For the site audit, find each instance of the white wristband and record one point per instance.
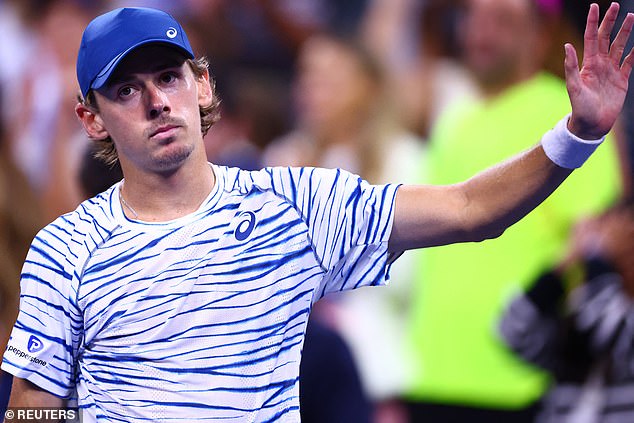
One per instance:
(566, 149)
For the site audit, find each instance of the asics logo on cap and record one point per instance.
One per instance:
(171, 32)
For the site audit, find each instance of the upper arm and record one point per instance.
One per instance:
(48, 330)
(428, 215)
(27, 394)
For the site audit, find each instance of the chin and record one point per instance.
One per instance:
(173, 159)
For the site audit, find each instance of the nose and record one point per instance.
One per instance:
(157, 102)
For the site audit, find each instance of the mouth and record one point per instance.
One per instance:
(163, 132)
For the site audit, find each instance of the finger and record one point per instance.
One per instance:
(626, 66)
(571, 67)
(590, 43)
(605, 29)
(618, 45)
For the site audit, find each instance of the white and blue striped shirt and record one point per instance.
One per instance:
(201, 318)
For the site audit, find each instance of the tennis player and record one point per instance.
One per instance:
(182, 293)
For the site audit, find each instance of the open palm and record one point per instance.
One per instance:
(598, 90)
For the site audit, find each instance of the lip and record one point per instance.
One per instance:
(164, 132)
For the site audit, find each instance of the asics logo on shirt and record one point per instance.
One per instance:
(34, 344)
(245, 227)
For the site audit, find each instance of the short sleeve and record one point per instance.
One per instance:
(349, 223)
(45, 337)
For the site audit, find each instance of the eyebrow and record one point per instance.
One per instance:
(118, 78)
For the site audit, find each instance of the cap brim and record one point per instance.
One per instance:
(107, 70)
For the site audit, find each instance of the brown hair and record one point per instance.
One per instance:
(106, 150)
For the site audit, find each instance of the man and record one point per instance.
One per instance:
(463, 372)
(183, 292)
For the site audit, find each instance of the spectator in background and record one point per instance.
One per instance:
(344, 116)
(463, 372)
(19, 222)
(417, 44)
(44, 141)
(345, 119)
(582, 332)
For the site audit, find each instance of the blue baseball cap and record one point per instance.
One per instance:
(111, 36)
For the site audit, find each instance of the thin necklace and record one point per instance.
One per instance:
(125, 203)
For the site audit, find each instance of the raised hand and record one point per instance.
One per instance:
(597, 91)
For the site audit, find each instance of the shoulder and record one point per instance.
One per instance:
(90, 222)
(93, 212)
(283, 181)
(311, 191)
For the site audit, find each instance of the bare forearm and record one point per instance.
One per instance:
(502, 195)
(479, 208)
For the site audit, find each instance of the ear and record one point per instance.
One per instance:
(92, 122)
(205, 92)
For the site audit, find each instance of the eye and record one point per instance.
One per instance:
(125, 91)
(168, 77)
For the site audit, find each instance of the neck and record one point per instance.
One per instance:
(159, 198)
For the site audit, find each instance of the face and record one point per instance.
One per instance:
(497, 36)
(150, 108)
(331, 85)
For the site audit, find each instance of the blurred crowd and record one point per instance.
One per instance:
(411, 91)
